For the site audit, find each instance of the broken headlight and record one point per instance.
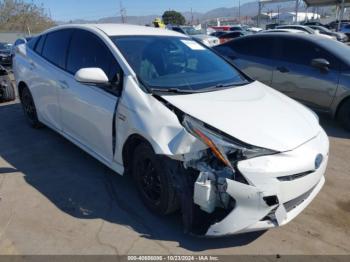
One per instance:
(227, 150)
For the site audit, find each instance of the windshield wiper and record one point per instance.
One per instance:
(174, 90)
(230, 84)
(202, 90)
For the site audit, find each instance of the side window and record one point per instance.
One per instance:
(302, 52)
(87, 50)
(253, 46)
(55, 47)
(40, 44)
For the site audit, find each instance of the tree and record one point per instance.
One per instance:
(173, 17)
(21, 16)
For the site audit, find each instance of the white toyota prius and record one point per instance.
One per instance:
(195, 133)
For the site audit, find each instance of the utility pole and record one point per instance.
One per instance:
(122, 12)
(239, 11)
(191, 16)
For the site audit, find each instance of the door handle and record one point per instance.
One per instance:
(282, 69)
(63, 84)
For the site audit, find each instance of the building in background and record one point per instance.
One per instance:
(292, 17)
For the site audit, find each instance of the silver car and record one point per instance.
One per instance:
(199, 35)
(311, 69)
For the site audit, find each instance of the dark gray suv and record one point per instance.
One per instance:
(311, 69)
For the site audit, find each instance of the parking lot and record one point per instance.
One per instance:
(56, 199)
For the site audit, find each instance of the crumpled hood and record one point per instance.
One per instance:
(254, 113)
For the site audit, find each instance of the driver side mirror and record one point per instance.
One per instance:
(91, 75)
(320, 63)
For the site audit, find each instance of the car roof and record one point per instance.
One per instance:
(121, 29)
(301, 26)
(341, 50)
(308, 37)
(282, 30)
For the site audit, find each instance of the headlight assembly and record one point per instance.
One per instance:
(224, 148)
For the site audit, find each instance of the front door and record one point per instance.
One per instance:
(294, 75)
(87, 111)
(254, 56)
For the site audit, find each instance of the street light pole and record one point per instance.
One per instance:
(239, 11)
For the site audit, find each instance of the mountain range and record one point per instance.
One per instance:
(246, 10)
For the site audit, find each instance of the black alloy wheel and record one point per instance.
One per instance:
(29, 108)
(153, 180)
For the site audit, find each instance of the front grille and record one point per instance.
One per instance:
(294, 177)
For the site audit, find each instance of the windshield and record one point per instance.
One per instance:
(165, 63)
(192, 31)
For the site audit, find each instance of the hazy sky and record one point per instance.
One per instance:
(94, 9)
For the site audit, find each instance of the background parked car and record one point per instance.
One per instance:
(196, 34)
(325, 31)
(271, 26)
(5, 54)
(228, 36)
(304, 28)
(345, 28)
(219, 33)
(237, 28)
(7, 91)
(294, 31)
(311, 69)
(312, 23)
(334, 24)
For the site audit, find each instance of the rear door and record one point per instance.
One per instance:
(253, 55)
(47, 67)
(87, 111)
(295, 76)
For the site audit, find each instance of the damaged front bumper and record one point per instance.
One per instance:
(278, 188)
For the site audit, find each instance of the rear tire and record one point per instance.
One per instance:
(153, 180)
(344, 115)
(29, 108)
(8, 93)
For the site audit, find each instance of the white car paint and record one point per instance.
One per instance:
(254, 114)
(235, 105)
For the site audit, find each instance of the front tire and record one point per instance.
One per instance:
(344, 115)
(153, 180)
(29, 108)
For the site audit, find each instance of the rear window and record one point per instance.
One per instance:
(253, 46)
(55, 47)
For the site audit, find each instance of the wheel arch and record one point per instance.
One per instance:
(342, 102)
(129, 148)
